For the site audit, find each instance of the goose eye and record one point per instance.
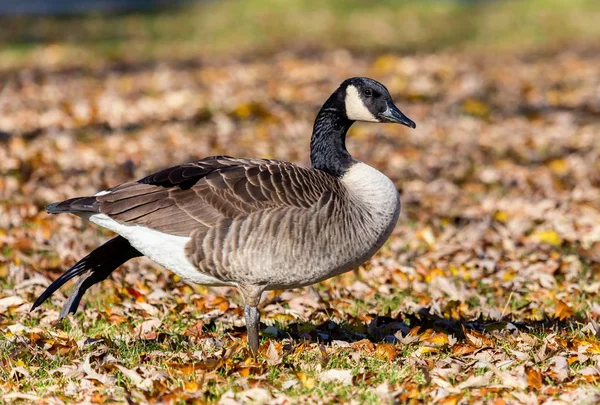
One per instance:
(368, 92)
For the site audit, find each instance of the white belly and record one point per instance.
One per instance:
(166, 250)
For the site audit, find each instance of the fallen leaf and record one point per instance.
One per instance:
(559, 368)
(385, 351)
(476, 381)
(550, 237)
(273, 356)
(8, 302)
(306, 380)
(534, 378)
(563, 311)
(437, 340)
(475, 107)
(132, 375)
(90, 373)
(147, 326)
(337, 375)
(477, 339)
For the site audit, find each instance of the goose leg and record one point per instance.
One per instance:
(252, 316)
(251, 295)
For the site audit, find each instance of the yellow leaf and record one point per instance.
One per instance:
(563, 311)
(243, 110)
(433, 274)
(426, 335)
(534, 378)
(476, 108)
(385, 351)
(283, 318)
(593, 347)
(558, 166)
(437, 340)
(384, 64)
(424, 350)
(191, 386)
(550, 237)
(244, 371)
(449, 400)
(534, 314)
(501, 216)
(306, 380)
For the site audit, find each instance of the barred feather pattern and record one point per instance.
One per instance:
(262, 222)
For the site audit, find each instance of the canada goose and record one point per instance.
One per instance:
(255, 224)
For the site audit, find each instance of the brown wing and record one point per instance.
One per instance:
(197, 195)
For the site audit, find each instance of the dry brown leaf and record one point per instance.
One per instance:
(385, 351)
(9, 302)
(147, 326)
(364, 345)
(476, 381)
(449, 400)
(563, 311)
(273, 355)
(221, 303)
(559, 368)
(461, 349)
(411, 337)
(132, 375)
(476, 339)
(107, 380)
(336, 375)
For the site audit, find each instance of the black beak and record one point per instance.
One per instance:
(394, 115)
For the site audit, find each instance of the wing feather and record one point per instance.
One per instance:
(197, 196)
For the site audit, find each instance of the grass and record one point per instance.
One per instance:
(254, 27)
(44, 376)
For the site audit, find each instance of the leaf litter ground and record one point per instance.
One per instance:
(487, 291)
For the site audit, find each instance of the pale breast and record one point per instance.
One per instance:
(373, 191)
(373, 198)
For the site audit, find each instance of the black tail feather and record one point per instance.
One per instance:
(78, 204)
(99, 264)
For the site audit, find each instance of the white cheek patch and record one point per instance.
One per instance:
(355, 108)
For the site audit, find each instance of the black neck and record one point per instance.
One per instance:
(328, 143)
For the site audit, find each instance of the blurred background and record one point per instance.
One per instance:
(88, 31)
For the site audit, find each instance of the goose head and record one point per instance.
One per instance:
(368, 100)
(356, 99)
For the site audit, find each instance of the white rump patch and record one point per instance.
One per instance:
(162, 248)
(355, 108)
(103, 192)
